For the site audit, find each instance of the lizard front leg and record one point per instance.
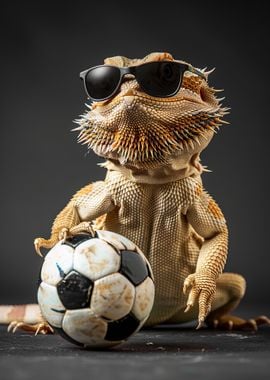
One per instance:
(87, 204)
(64, 221)
(208, 221)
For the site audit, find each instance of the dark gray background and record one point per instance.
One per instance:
(44, 47)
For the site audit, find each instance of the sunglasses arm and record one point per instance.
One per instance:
(83, 73)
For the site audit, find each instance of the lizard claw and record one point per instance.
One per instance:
(47, 244)
(43, 328)
(63, 234)
(188, 307)
(262, 320)
(82, 228)
(12, 327)
(201, 289)
(200, 324)
(231, 322)
(188, 283)
(37, 244)
(38, 328)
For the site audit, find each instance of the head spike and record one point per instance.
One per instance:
(79, 128)
(221, 99)
(223, 122)
(207, 73)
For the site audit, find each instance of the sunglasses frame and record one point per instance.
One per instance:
(132, 70)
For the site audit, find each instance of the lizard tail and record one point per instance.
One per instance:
(21, 313)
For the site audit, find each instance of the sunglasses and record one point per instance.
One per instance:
(160, 79)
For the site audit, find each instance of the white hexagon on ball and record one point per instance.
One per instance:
(96, 258)
(82, 326)
(144, 299)
(50, 304)
(112, 297)
(57, 262)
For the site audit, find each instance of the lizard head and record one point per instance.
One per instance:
(136, 130)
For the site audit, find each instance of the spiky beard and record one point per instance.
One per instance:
(147, 133)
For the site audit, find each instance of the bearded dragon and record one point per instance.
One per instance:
(153, 194)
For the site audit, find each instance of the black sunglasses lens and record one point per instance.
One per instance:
(102, 81)
(159, 79)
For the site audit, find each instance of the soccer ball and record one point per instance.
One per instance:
(96, 291)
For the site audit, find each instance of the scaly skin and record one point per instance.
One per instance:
(153, 194)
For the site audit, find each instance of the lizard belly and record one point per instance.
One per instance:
(153, 220)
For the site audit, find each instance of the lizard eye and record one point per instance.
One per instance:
(166, 72)
(160, 79)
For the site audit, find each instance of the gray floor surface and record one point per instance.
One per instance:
(160, 353)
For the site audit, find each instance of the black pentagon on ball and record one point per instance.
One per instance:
(122, 328)
(133, 267)
(39, 280)
(150, 273)
(74, 290)
(76, 240)
(64, 335)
